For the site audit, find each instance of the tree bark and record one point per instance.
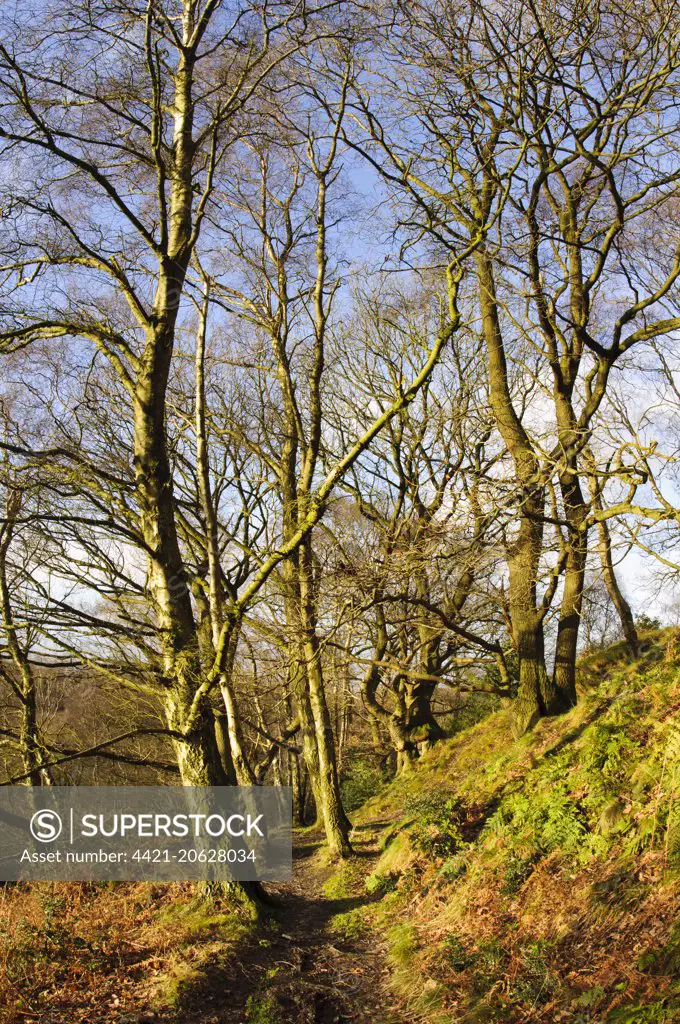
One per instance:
(23, 686)
(604, 548)
(576, 512)
(534, 693)
(336, 823)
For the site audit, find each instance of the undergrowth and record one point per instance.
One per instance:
(538, 880)
(139, 950)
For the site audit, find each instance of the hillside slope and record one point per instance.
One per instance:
(531, 881)
(538, 880)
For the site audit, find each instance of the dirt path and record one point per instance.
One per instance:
(303, 972)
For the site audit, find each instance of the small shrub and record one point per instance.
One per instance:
(453, 868)
(591, 997)
(608, 753)
(542, 821)
(381, 883)
(651, 1013)
(621, 889)
(473, 708)
(490, 961)
(666, 959)
(646, 623)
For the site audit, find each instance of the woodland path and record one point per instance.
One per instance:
(303, 973)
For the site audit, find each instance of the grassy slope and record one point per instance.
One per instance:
(539, 880)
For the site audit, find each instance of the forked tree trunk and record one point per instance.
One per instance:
(307, 685)
(216, 597)
(198, 755)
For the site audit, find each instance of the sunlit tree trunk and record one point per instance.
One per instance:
(22, 682)
(335, 820)
(534, 692)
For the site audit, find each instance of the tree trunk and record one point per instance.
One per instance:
(534, 691)
(576, 512)
(604, 548)
(224, 748)
(31, 748)
(23, 687)
(421, 725)
(337, 825)
(534, 696)
(244, 773)
(296, 784)
(198, 756)
(405, 749)
(423, 729)
(299, 688)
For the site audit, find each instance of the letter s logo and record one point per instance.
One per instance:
(46, 826)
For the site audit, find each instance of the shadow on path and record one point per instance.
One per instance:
(297, 970)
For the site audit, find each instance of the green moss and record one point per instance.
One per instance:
(398, 855)
(350, 925)
(179, 983)
(336, 887)
(262, 1010)
(344, 881)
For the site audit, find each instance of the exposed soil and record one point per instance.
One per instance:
(303, 973)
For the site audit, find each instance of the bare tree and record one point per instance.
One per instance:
(532, 133)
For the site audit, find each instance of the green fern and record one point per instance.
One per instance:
(547, 820)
